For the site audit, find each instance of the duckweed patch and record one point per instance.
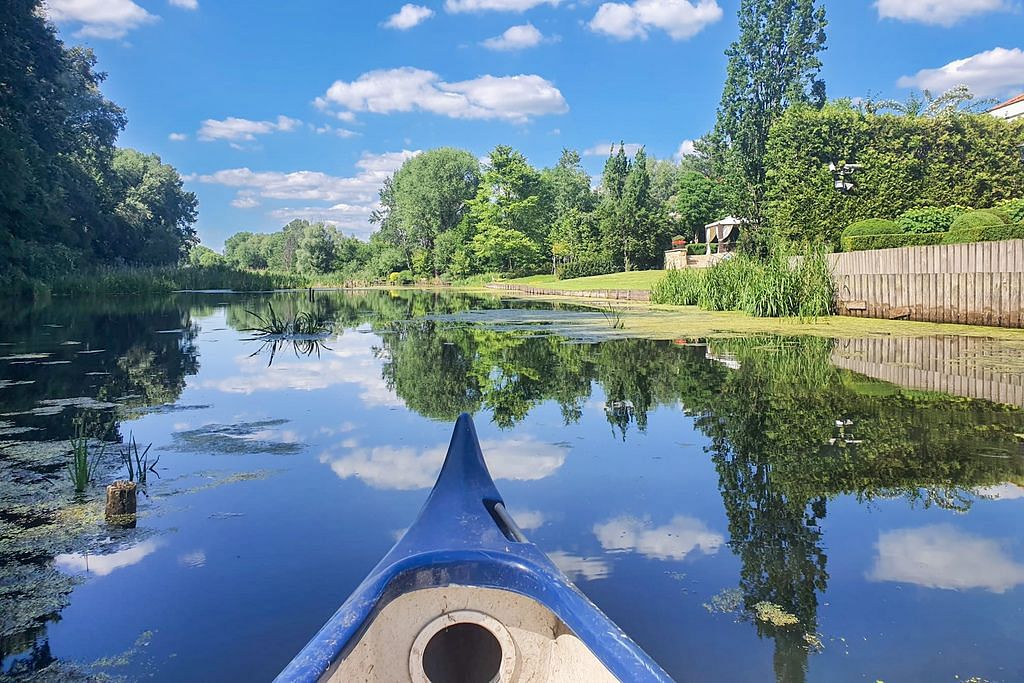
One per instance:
(770, 613)
(727, 601)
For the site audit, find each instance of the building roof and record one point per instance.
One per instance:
(1007, 103)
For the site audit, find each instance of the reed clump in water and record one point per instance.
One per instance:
(81, 467)
(773, 288)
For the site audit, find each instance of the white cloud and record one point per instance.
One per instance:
(936, 12)
(185, 4)
(680, 19)
(686, 148)
(456, 6)
(351, 216)
(1007, 491)
(577, 567)
(236, 129)
(994, 72)
(101, 565)
(353, 198)
(107, 19)
(527, 520)
(331, 130)
(349, 359)
(940, 556)
(406, 468)
(602, 149)
(245, 200)
(177, 137)
(512, 98)
(410, 15)
(673, 541)
(515, 38)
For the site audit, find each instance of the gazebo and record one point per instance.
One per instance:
(723, 231)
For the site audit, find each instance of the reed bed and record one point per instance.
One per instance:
(774, 288)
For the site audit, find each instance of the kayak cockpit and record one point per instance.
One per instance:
(469, 634)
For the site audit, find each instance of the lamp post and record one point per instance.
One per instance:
(843, 176)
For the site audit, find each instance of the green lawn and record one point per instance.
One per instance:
(637, 279)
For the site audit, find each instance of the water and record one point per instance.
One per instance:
(686, 487)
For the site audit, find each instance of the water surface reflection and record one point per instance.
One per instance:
(715, 496)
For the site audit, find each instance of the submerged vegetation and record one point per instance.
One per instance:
(775, 288)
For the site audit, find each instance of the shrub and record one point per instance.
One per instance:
(980, 219)
(863, 242)
(989, 233)
(1014, 208)
(701, 248)
(584, 268)
(872, 226)
(930, 219)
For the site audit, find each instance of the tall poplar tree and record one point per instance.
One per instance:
(773, 64)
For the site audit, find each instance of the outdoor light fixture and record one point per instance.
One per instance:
(843, 176)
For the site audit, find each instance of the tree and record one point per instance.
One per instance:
(426, 197)
(246, 250)
(632, 226)
(698, 201)
(203, 256)
(156, 213)
(773, 64)
(664, 180)
(316, 252)
(504, 249)
(569, 184)
(507, 213)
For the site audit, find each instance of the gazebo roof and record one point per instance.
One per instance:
(727, 222)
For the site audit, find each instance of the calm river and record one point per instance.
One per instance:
(743, 507)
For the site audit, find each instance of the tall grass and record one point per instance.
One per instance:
(773, 288)
(80, 466)
(169, 279)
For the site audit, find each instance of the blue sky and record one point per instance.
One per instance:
(275, 110)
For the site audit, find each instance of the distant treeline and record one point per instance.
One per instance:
(69, 198)
(443, 214)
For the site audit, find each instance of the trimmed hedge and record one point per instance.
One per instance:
(863, 242)
(982, 218)
(991, 233)
(872, 226)
(930, 218)
(699, 248)
(584, 268)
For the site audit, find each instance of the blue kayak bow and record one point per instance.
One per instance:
(463, 536)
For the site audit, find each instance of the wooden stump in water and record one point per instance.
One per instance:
(121, 502)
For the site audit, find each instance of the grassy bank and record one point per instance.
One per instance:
(636, 279)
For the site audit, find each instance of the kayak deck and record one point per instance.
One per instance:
(464, 597)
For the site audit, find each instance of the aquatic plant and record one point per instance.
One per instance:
(304, 323)
(304, 333)
(613, 316)
(773, 614)
(80, 466)
(775, 288)
(138, 464)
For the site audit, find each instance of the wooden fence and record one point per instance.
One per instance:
(617, 294)
(981, 283)
(963, 366)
